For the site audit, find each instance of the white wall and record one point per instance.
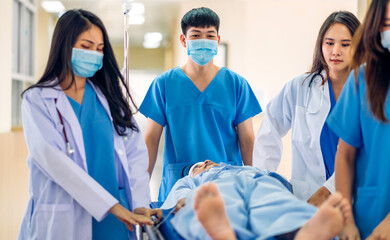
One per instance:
(5, 65)
(281, 38)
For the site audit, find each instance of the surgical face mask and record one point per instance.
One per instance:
(385, 39)
(202, 50)
(86, 63)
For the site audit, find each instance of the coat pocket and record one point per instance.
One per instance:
(54, 221)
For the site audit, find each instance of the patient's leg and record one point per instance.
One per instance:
(328, 221)
(210, 211)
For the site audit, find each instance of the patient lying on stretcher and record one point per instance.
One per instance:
(259, 205)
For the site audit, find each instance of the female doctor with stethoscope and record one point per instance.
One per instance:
(88, 161)
(303, 105)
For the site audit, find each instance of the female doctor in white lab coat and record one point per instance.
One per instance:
(88, 161)
(303, 106)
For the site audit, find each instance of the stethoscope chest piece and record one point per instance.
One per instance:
(69, 148)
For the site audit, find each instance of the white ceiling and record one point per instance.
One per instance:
(160, 15)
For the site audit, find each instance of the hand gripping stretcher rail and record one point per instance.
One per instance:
(160, 230)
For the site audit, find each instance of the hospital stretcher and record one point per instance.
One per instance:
(165, 231)
(162, 230)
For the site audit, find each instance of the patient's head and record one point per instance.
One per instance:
(201, 167)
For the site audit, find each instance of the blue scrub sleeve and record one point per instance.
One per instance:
(345, 117)
(247, 105)
(153, 105)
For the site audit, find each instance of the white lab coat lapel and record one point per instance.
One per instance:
(118, 143)
(68, 115)
(316, 120)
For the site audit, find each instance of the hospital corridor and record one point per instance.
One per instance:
(163, 117)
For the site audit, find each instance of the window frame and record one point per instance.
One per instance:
(23, 70)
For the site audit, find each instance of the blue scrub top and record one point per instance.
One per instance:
(353, 121)
(328, 139)
(100, 155)
(198, 125)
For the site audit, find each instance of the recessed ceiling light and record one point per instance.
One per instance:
(153, 36)
(151, 44)
(53, 6)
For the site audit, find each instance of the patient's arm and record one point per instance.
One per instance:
(319, 197)
(180, 190)
(180, 204)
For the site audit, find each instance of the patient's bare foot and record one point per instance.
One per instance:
(210, 211)
(328, 221)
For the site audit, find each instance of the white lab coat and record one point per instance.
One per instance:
(63, 197)
(305, 115)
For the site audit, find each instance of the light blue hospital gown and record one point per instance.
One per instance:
(353, 121)
(198, 125)
(259, 204)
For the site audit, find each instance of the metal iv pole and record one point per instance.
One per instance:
(126, 12)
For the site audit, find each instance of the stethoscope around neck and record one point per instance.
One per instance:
(69, 148)
(306, 104)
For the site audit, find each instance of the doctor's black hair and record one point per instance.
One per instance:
(108, 79)
(199, 17)
(319, 64)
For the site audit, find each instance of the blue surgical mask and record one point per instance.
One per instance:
(385, 39)
(86, 63)
(202, 50)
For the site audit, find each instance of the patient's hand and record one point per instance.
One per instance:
(319, 197)
(382, 231)
(180, 204)
(148, 212)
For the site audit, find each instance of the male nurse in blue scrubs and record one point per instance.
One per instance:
(206, 110)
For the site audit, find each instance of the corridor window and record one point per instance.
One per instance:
(23, 27)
